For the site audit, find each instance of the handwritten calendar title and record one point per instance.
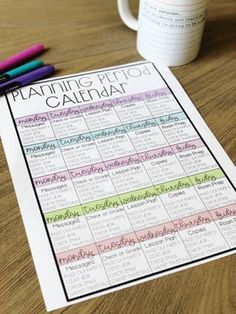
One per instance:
(83, 88)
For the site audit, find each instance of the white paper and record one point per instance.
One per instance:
(118, 179)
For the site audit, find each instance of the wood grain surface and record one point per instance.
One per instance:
(84, 35)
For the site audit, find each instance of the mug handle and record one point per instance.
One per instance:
(126, 15)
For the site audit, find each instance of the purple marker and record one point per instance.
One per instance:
(25, 79)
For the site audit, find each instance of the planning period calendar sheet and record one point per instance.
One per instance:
(118, 179)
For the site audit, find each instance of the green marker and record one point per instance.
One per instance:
(27, 67)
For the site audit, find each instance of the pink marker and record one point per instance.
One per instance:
(21, 57)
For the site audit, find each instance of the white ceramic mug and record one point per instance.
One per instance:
(168, 31)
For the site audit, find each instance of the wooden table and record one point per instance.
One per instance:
(84, 35)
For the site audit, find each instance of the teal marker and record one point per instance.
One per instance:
(27, 67)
